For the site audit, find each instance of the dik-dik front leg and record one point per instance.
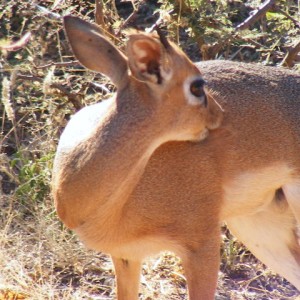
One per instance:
(201, 265)
(128, 278)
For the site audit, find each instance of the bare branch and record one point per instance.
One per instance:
(73, 98)
(45, 11)
(293, 52)
(131, 17)
(257, 14)
(296, 23)
(14, 46)
(61, 64)
(99, 15)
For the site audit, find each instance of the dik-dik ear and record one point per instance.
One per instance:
(94, 51)
(148, 59)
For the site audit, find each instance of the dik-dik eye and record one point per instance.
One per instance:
(194, 91)
(197, 87)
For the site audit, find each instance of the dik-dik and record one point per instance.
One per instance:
(158, 168)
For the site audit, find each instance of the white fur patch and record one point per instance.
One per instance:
(252, 191)
(82, 125)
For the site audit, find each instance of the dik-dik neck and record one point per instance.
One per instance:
(101, 172)
(124, 143)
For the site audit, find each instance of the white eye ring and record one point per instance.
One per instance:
(192, 99)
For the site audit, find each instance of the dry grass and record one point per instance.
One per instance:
(39, 258)
(42, 260)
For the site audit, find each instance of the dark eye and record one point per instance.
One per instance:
(196, 87)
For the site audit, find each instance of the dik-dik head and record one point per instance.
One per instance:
(155, 75)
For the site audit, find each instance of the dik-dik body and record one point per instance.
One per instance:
(132, 178)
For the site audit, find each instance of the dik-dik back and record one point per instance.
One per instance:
(255, 89)
(262, 107)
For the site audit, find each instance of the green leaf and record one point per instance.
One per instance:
(274, 16)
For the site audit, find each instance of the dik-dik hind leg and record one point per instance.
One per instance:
(128, 278)
(271, 235)
(201, 266)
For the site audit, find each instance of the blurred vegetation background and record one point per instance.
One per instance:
(42, 85)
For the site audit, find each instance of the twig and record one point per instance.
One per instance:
(30, 77)
(257, 14)
(181, 3)
(99, 15)
(45, 11)
(5, 137)
(73, 98)
(15, 46)
(290, 57)
(61, 64)
(130, 18)
(296, 23)
(8, 107)
(164, 17)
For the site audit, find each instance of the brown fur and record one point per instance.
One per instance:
(123, 199)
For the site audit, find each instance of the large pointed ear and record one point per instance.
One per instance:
(94, 51)
(148, 59)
